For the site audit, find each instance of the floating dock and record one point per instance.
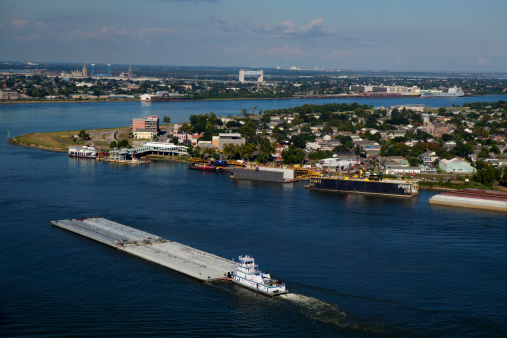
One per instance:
(473, 198)
(266, 174)
(182, 258)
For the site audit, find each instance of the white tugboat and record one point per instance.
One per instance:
(247, 275)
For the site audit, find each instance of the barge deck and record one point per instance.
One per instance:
(176, 256)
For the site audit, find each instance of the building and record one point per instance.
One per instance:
(223, 138)
(428, 157)
(436, 129)
(456, 165)
(8, 94)
(144, 134)
(148, 122)
(258, 73)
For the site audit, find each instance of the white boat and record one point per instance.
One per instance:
(249, 276)
(453, 91)
(84, 151)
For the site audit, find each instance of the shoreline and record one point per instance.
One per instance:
(309, 97)
(163, 159)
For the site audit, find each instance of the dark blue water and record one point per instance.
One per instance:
(358, 266)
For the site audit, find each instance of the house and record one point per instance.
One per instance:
(457, 165)
(428, 157)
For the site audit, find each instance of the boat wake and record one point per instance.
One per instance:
(317, 309)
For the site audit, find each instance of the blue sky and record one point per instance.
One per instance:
(445, 35)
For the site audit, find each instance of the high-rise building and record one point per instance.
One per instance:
(148, 122)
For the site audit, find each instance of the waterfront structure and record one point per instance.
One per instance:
(149, 122)
(267, 174)
(159, 148)
(451, 92)
(456, 165)
(402, 90)
(258, 73)
(224, 138)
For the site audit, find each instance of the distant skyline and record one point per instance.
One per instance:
(452, 35)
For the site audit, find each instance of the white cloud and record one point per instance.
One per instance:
(480, 61)
(287, 29)
(285, 51)
(228, 27)
(19, 24)
(367, 43)
(341, 54)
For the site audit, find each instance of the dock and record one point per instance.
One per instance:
(176, 256)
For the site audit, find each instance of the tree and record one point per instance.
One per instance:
(266, 149)
(185, 127)
(414, 162)
(83, 135)
(123, 144)
(166, 119)
(209, 152)
(462, 149)
(503, 180)
(113, 145)
(293, 155)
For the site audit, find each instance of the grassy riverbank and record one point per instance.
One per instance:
(61, 140)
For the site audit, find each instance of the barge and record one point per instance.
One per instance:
(472, 198)
(195, 263)
(192, 262)
(383, 187)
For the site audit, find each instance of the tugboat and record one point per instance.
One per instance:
(247, 275)
(205, 167)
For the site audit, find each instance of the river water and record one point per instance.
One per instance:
(357, 266)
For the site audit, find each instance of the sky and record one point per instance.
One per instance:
(430, 35)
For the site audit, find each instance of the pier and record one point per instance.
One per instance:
(176, 256)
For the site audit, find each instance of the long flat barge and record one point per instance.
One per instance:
(176, 256)
(384, 187)
(473, 198)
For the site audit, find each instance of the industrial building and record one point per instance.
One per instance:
(224, 138)
(255, 73)
(457, 165)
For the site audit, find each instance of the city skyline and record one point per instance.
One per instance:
(391, 35)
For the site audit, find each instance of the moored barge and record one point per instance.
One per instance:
(383, 187)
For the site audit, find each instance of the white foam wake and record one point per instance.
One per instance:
(317, 309)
